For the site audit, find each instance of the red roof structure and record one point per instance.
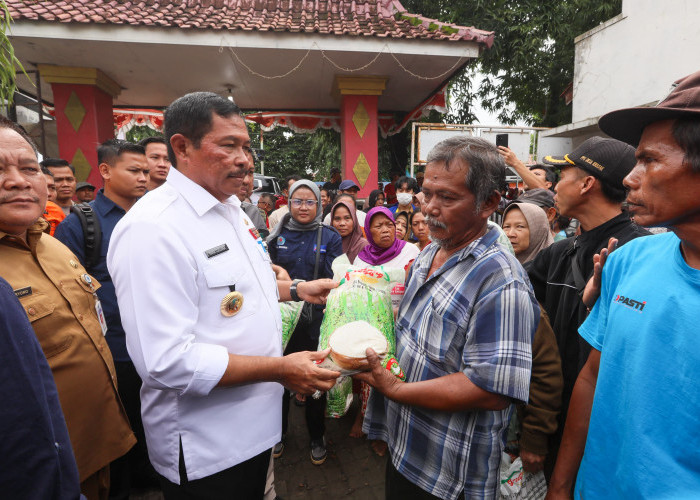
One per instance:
(368, 18)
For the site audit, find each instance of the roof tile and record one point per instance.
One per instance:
(366, 18)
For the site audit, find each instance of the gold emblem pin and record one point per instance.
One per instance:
(73, 264)
(231, 303)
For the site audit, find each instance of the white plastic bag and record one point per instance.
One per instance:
(516, 484)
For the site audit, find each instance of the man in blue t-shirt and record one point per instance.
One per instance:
(125, 171)
(632, 420)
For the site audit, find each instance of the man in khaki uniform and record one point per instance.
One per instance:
(60, 301)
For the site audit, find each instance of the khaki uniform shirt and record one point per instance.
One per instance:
(49, 282)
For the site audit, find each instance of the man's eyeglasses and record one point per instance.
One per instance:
(296, 203)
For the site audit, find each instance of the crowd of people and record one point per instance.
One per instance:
(140, 332)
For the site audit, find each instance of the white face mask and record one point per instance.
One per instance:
(404, 198)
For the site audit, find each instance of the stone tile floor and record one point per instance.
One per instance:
(352, 470)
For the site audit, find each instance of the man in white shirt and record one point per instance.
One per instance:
(200, 313)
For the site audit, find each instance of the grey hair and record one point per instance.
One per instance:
(486, 170)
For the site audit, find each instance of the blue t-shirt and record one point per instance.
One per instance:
(642, 436)
(70, 233)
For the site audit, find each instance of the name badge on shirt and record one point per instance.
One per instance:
(217, 250)
(23, 292)
(100, 315)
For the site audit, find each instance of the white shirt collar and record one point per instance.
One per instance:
(199, 198)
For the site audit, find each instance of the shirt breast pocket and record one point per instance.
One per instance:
(38, 306)
(223, 277)
(441, 339)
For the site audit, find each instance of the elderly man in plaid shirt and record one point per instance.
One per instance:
(463, 338)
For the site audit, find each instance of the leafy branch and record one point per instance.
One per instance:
(8, 61)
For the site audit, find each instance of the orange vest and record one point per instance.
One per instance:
(53, 215)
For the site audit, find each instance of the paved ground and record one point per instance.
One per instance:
(351, 471)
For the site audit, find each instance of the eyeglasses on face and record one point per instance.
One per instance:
(296, 203)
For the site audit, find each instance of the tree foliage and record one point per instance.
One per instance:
(8, 61)
(532, 60)
(314, 155)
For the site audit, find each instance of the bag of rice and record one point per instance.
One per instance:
(290, 312)
(360, 313)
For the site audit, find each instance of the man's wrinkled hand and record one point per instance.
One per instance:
(592, 290)
(300, 373)
(316, 292)
(379, 377)
(532, 462)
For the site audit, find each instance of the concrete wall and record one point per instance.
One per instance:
(632, 59)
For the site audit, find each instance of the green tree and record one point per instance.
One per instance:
(8, 61)
(531, 62)
(314, 155)
(136, 134)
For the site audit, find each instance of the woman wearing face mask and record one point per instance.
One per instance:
(292, 245)
(419, 229)
(527, 228)
(344, 220)
(406, 188)
(401, 221)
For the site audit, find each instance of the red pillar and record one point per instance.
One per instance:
(84, 119)
(359, 131)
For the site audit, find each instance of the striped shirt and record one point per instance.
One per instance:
(476, 315)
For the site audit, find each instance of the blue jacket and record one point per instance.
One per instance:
(70, 233)
(36, 458)
(295, 251)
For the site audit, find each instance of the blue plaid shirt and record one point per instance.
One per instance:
(476, 315)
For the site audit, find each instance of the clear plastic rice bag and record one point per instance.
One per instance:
(364, 294)
(290, 312)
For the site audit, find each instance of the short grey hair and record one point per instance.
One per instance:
(486, 169)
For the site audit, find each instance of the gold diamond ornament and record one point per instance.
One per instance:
(360, 118)
(361, 169)
(82, 166)
(74, 111)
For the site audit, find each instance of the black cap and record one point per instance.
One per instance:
(543, 198)
(609, 160)
(84, 185)
(682, 102)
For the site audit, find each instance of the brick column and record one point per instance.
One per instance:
(83, 109)
(359, 139)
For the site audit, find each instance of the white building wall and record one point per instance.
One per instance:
(632, 59)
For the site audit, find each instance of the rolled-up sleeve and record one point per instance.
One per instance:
(158, 304)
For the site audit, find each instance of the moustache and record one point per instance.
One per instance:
(434, 222)
(11, 197)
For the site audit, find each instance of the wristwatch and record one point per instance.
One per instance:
(293, 290)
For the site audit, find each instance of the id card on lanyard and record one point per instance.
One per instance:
(98, 305)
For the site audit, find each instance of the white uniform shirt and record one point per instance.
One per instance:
(169, 293)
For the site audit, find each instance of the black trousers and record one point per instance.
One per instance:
(398, 487)
(245, 481)
(132, 470)
(305, 338)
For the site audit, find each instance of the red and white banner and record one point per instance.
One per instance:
(126, 119)
(304, 122)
